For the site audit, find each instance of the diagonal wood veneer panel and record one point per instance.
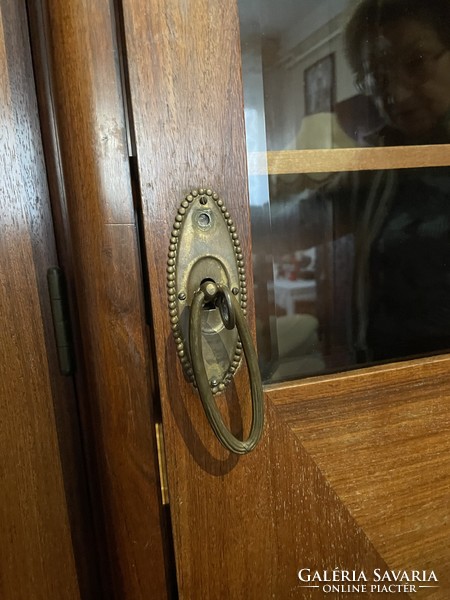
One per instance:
(385, 449)
(279, 495)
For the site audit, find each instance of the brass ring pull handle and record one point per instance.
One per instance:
(210, 292)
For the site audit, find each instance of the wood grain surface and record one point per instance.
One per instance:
(336, 160)
(243, 527)
(389, 430)
(87, 153)
(36, 406)
(352, 470)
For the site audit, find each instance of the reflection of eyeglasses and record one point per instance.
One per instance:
(413, 70)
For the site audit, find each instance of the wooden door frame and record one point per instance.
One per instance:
(231, 513)
(82, 109)
(104, 265)
(46, 522)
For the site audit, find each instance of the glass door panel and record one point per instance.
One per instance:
(346, 107)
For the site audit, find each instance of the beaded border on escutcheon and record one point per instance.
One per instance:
(172, 293)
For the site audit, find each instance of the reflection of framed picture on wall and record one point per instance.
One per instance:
(319, 82)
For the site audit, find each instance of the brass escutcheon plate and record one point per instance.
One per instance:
(204, 245)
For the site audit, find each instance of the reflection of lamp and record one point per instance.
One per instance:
(322, 130)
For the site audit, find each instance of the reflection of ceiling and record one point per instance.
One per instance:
(290, 21)
(277, 17)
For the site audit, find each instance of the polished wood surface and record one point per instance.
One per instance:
(87, 153)
(389, 430)
(36, 404)
(335, 160)
(185, 83)
(311, 495)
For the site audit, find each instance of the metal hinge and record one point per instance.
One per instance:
(61, 320)
(162, 464)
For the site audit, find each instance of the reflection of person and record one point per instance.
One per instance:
(399, 51)
(399, 221)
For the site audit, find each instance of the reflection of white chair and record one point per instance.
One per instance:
(298, 347)
(288, 292)
(288, 344)
(297, 335)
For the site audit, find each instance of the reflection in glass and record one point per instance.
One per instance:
(350, 268)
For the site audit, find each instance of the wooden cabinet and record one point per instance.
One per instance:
(47, 546)
(141, 102)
